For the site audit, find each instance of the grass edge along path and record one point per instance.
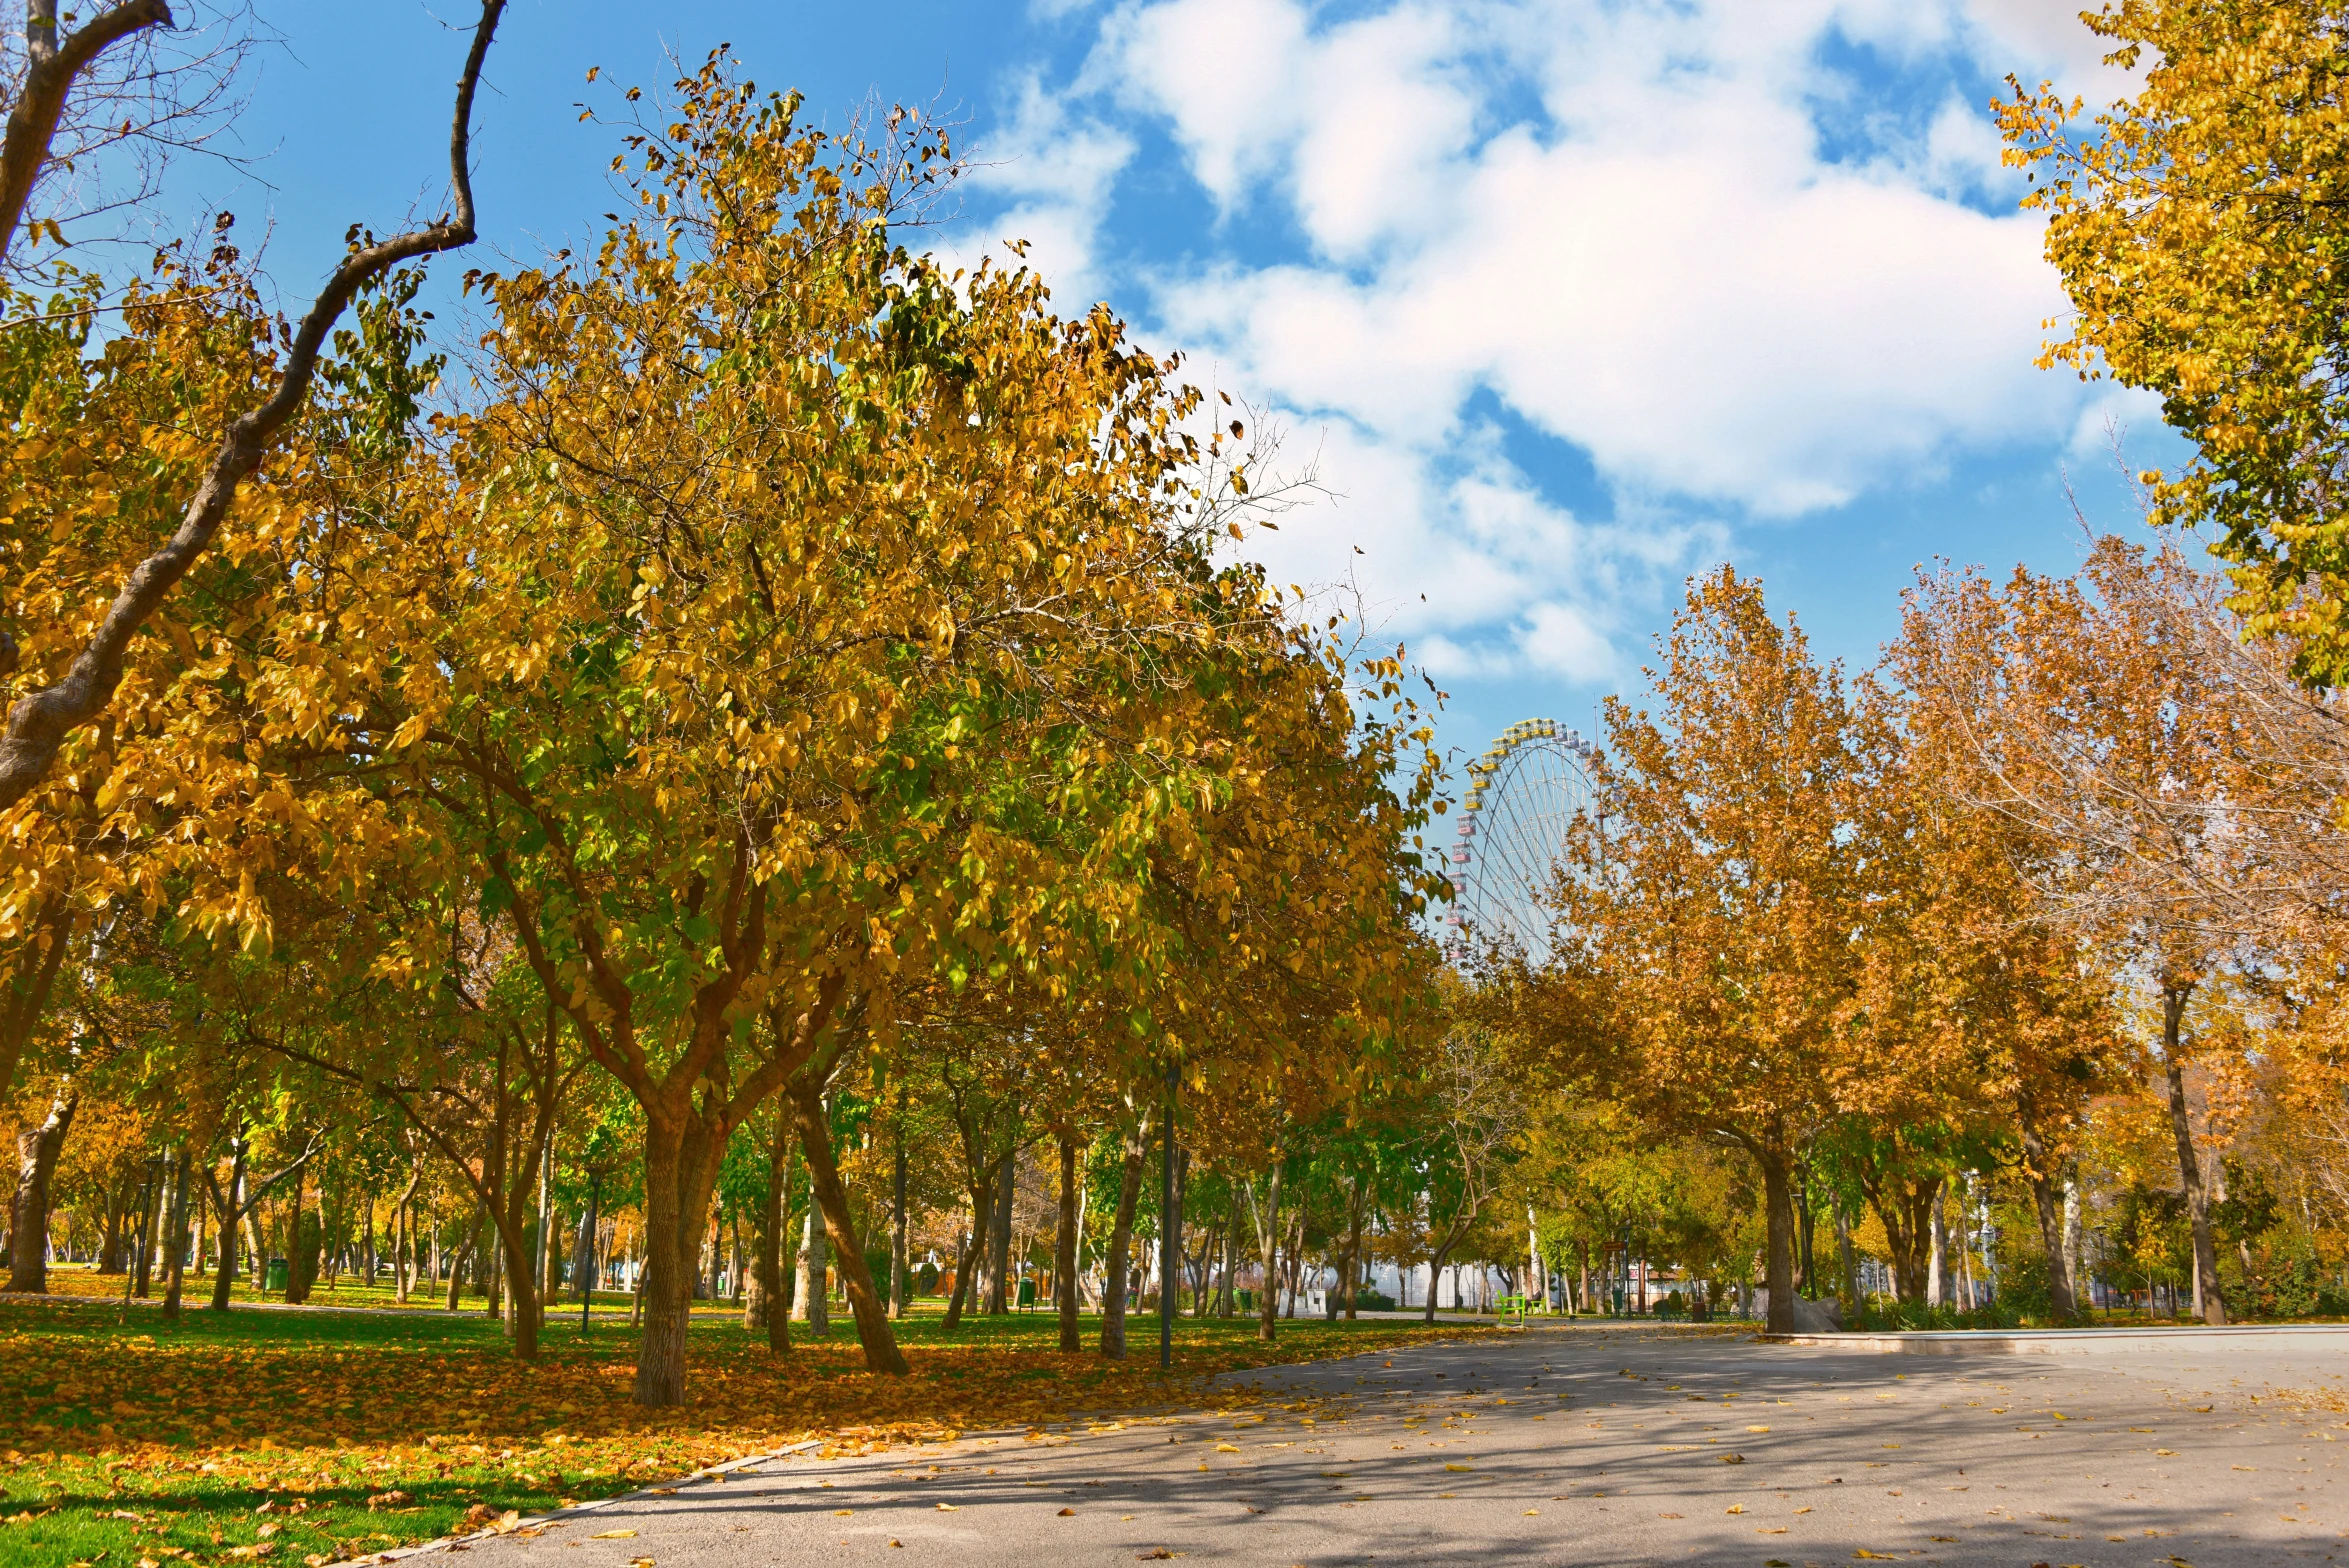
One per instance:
(300, 1437)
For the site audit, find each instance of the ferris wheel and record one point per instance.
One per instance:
(1523, 796)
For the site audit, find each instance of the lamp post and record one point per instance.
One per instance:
(595, 1187)
(1170, 1225)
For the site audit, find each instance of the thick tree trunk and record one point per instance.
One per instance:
(966, 1257)
(1778, 1208)
(969, 1288)
(2208, 1302)
(831, 1196)
(1353, 1281)
(900, 1265)
(1806, 1278)
(810, 1292)
(1937, 1292)
(297, 1288)
(999, 1237)
(1906, 1207)
(668, 1286)
(677, 1184)
(25, 996)
(457, 1274)
(1064, 1254)
(1268, 1235)
(37, 1148)
(226, 1212)
(2046, 1207)
(175, 1236)
(110, 1247)
(1850, 1262)
(1117, 1266)
(230, 1207)
(518, 1249)
(764, 1309)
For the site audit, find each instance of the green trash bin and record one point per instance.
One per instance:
(278, 1276)
(1027, 1295)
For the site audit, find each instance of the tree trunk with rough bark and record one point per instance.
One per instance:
(679, 1173)
(1353, 1280)
(1118, 1264)
(1778, 1208)
(2208, 1303)
(765, 1308)
(900, 1265)
(1268, 1235)
(297, 1289)
(1064, 1253)
(227, 1211)
(37, 1148)
(810, 1291)
(1905, 1205)
(175, 1237)
(24, 998)
(999, 1237)
(831, 1196)
(2047, 1208)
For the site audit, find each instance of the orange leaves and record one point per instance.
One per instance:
(1720, 921)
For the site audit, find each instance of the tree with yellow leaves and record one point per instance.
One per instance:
(64, 671)
(789, 616)
(2200, 227)
(1712, 903)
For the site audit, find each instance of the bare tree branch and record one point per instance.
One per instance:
(51, 69)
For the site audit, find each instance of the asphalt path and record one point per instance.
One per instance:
(1585, 1446)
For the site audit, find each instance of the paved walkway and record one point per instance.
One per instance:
(1588, 1445)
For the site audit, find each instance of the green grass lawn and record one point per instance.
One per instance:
(291, 1436)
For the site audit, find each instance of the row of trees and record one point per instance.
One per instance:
(762, 739)
(775, 698)
(2073, 840)
(2051, 899)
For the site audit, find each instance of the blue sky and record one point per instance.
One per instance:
(1560, 300)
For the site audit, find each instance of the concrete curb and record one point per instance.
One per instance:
(576, 1510)
(2079, 1341)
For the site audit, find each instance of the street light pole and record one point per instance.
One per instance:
(1170, 1225)
(595, 1190)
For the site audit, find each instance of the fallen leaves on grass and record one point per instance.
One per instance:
(393, 1430)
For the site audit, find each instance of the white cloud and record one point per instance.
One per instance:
(1053, 169)
(1618, 218)
(2102, 433)
(1466, 563)
(1222, 73)
(2037, 39)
